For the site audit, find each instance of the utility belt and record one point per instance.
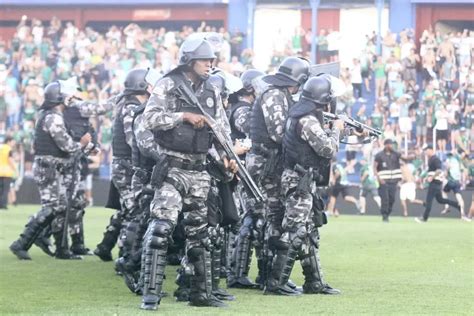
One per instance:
(265, 150)
(165, 163)
(273, 165)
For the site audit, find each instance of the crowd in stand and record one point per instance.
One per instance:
(416, 96)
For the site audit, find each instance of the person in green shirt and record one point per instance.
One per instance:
(369, 185)
(323, 47)
(376, 119)
(454, 171)
(421, 124)
(380, 77)
(339, 184)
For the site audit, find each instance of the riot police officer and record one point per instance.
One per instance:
(179, 178)
(241, 104)
(135, 94)
(239, 119)
(145, 153)
(307, 153)
(77, 116)
(53, 148)
(264, 160)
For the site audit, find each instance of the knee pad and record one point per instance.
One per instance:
(279, 243)
(159, 233)
(194, 254)
(45, 214)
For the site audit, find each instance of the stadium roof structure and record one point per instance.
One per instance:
(323, 3)
(105, 2)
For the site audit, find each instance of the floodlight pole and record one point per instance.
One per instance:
(314, 25)
(251, 4)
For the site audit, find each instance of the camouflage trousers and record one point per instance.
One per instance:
(52, 188)
(298, 206)
(122, 173)
(188, 194)
(73, 179)
(270, 185)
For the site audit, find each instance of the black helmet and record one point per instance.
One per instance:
(247, 78)
(195, 48)
(135, 82)
(52, 94)
(293, 71)
(318, 89)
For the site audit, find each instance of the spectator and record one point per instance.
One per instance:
(356, 78)
(7, 170)
(441, 127)
(421, 124)
(380, 77)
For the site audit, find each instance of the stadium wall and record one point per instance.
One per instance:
(28, 194)
(157, 16)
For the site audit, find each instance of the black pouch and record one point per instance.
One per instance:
(160, 172)
(319, 217)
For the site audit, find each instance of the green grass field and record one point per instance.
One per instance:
(398, 268)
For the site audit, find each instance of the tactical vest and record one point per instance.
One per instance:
(44, 144)
(77, 125)
(184, 138)
(389, 170)
(138, 159)
(296, 151)
(235, 133)
(120, 148)
(258, 127)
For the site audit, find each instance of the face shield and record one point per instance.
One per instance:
(69, 89)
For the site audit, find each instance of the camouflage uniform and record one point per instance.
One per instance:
(265, 165)
(182, 190)
(87, 110)
(122, 172)
(308, 150)
(144, 154)
(50, 177)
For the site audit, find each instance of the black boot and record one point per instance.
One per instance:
(104, 248)
(62, 248)
(218, 292)
(277, 283)
(33, 228)
(43, 241)
(241, 264)
(154, 262)
(201, 281)
(77, 245)
(183, 280)
(312, 271)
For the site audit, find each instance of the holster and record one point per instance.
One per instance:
(160, 171)
(319, 217)
(49, 169)
(272, 165)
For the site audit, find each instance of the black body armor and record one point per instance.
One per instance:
(185, 138)
(44, 144)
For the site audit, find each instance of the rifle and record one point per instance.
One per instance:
(349, 121)
(224, 140)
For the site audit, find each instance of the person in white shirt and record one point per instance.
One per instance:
(441, 127)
